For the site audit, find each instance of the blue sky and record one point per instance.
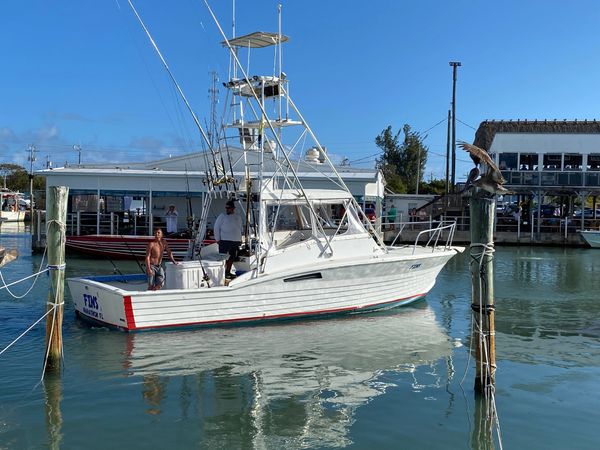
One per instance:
(82, 72)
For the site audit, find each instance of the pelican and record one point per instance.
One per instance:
(492, 180)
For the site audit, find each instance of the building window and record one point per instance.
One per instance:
(593, 162)
(507, 161)
(528, 161)
(573, 161)
(552, 161)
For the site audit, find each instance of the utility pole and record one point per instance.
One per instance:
(77, 148)
(454, 65)
(418, 170)
(31, 158)
(448, 155)
(48, 162)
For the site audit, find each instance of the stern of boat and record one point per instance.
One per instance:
(97, 301)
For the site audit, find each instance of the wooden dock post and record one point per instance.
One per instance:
(56, 218)
(483, 210)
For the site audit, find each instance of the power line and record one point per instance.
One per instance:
(431, 128)
(364, 158)
(466, 124)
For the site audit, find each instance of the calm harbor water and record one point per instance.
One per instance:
(385, 380)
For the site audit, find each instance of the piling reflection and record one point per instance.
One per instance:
(482, 436)
(53, 398)
(274, 386)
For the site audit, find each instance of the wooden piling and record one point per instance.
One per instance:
(483, 210)
(56, 218)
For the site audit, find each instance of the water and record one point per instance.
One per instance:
(386, 380)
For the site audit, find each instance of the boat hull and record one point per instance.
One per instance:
(121, 247)
(592, 238)
(318, 290)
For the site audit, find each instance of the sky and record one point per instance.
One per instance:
(83, 72)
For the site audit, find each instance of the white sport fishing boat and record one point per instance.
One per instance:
(308, 252)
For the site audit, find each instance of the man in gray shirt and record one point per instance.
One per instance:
(228, 234)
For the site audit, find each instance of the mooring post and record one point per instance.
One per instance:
(56, 217)
(483, 210)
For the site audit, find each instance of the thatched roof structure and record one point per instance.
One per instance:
(488, 128)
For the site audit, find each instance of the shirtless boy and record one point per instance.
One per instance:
(154, 255)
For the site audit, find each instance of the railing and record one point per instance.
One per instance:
(551, 178)
(435, 233)
(80, 223)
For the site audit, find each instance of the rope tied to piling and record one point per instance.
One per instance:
(28, 329)
(35, 276)
(56, 266)
(482, 254)
(62, 228)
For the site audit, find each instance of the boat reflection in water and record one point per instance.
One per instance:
(299, 383)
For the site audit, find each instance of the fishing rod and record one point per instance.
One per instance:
(132, 253)
(189, 107)
(179, 90)
(190, 217)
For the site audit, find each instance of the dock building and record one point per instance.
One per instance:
(553, 167)
(552, 170)
(132, 198)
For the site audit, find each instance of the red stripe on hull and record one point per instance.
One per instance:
(129, 313)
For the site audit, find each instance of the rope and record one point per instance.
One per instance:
(63, 227)
(481, 253)
(36, 275)
(54, 309)
(27, 330)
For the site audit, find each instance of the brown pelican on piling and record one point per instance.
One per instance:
(492, 180)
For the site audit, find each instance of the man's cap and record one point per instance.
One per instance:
(230, 204)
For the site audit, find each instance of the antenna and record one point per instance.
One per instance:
(213, 92)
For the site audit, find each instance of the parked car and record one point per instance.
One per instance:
(588, 213)
(549, 211)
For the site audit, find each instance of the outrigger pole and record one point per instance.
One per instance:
(187, 104)
(196, 121)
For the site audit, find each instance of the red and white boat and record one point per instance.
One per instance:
(309, 253)
(122, 246)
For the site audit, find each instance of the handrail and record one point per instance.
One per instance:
(434, 232)
(437, 233)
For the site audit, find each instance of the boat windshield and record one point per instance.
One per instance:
(290, 223)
